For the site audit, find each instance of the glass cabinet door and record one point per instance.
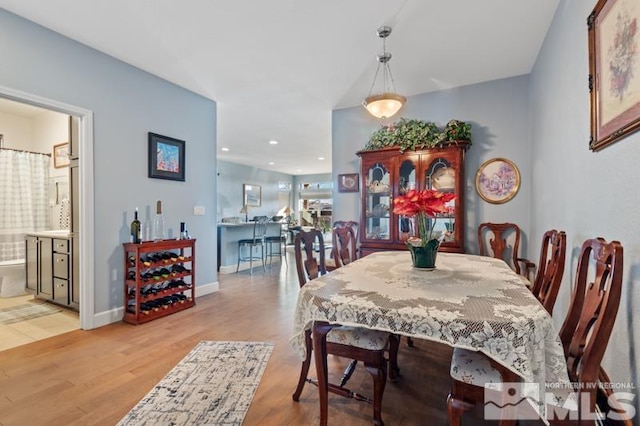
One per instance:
(441, 176)
(407, 171)
(377, 202)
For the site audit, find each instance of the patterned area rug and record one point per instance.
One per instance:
(213, 385)
(26, 312)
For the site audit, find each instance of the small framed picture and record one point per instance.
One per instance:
(348, 182)
(497, 180)
(166, 157)
(252, 195)
(61, 155)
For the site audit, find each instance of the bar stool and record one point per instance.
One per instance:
(259, 231)
(280, 241)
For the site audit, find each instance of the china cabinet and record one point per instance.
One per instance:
(389, 172)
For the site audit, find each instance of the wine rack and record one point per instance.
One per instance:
(159, 279)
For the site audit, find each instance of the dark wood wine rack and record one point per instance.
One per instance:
(134, 298)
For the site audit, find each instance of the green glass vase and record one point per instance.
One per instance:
(425, 257)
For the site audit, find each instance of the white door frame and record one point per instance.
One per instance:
(86, 207)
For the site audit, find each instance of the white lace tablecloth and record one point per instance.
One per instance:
(471, 302)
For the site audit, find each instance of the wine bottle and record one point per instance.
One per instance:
(135, 229)
(146, 229)
(158, 223)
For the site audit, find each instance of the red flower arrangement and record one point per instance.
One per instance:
(422, 205)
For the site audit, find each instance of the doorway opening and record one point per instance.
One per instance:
(82, 234)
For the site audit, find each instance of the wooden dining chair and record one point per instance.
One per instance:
(344, 245)
(360, 344)
(503, 243)
(592, 312)
(584, 335)
(551, 268)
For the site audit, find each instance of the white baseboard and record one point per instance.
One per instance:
(115, 315)
(231, 269)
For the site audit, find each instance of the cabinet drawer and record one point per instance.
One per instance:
(61, 291)
(60, 246)
(61, 265)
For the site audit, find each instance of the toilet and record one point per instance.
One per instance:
(12, 278)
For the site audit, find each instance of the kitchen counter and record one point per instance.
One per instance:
(62, 233)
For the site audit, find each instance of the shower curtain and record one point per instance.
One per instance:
(24, 179)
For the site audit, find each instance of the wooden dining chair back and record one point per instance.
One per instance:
(502, 241)
(344, 246)
(309, 254)
(550, 268)
(592, 312)
(355, 343)
(347, 224)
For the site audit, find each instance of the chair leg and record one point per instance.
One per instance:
(264, 266)
(455, 409)
(304, 371)
(239, 253)
(320, 354)
(283, 249)
(379, 374)
(394, 345)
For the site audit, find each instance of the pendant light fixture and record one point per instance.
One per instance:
(387, 103)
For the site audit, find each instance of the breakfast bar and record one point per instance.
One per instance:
(228, 236)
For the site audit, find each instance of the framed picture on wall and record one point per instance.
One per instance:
(251, 195)
(166, 157)
(348, 182)
(497, 180)
(61, 155)
(614, 71)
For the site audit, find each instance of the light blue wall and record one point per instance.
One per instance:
(127, 103)
(499, 113)
(231, 176)
(586, 194)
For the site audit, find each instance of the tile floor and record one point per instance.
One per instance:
(12, 335)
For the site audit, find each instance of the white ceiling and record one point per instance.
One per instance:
(276, 68)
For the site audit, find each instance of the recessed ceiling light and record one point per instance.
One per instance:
(298, 170)
(271, 163)
(272, 142)
(225, 149)
(320, 158)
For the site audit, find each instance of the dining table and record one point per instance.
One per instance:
(467, 301)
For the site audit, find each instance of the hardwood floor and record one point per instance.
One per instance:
(95, 377)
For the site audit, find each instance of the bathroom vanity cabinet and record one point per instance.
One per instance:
(49, 268)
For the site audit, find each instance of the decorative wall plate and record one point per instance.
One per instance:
(497, 180)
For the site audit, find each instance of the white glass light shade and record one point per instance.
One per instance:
(385, 105)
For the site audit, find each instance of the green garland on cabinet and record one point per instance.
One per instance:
(413, 134)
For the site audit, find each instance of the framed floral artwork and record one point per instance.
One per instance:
(497, 180)
(166, 157)
(614, 71)
(348, 182)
